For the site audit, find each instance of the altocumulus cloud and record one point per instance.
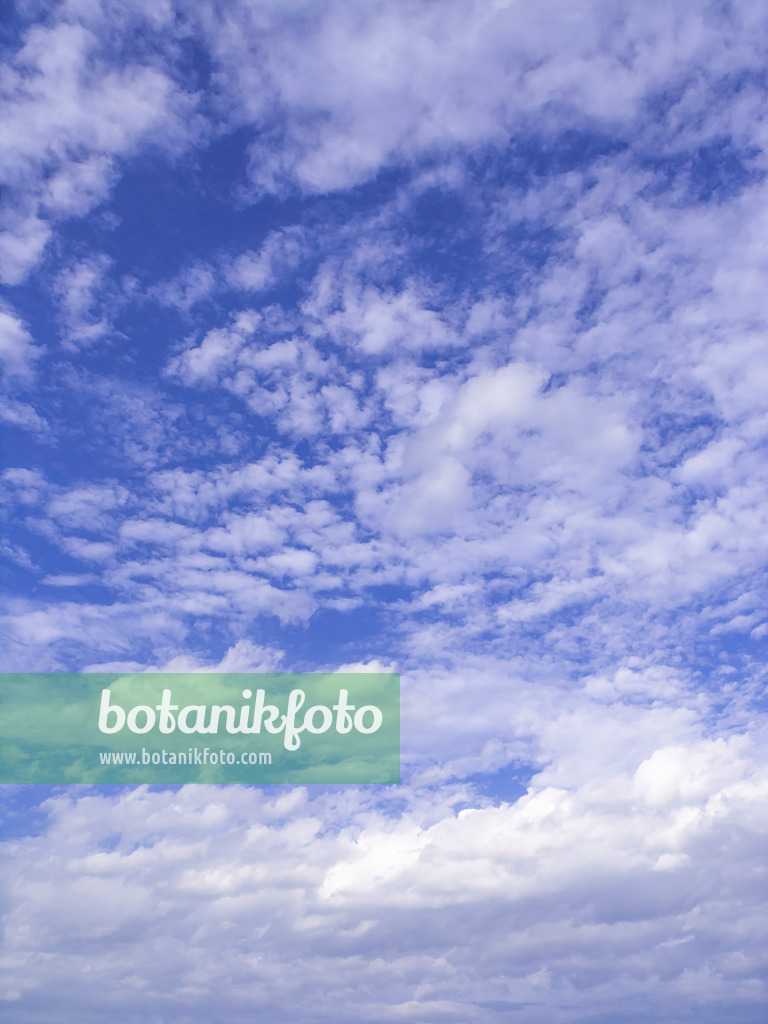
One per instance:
(417, 336)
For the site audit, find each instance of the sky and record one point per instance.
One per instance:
(423, 336)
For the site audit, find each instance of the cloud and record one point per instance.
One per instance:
(21, 414)
(18, 352)
(194, 284)
(69, 117)
(216, 350)
(377, 321)
(256, 888)
(82, 291)
(19, 356)
(341, 94)
(281, 253)
(244, 656)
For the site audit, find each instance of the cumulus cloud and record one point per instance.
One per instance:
(18, 360)
(535, 906)
(341, 93)
(18, 352)
(69, 115)
(82, 292)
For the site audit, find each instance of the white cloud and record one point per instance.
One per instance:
(500, 906)
(342, 93)
(192, 285)
(377, 321)
(244, 656)
(18, 352)
(280, 253)
(82, 291)
(21, 414)
(217, 351)
(68, 117)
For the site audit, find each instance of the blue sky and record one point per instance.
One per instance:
(417, 336)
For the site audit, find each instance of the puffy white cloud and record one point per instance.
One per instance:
(68, 115)
(377, 321)
(217, 350)
(18, 352)
(281, 253)
(342, 93)
(82, 291)
(18, 360)
(568, 896)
